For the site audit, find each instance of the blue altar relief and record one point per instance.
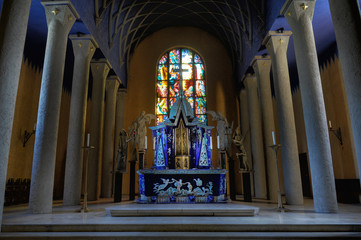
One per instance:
(182, 161)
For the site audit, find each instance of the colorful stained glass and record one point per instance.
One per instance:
(171, 102)
(187, 56)
(162, 88)
(162, 107)
(162, 72)
(201, 106)
(191, 101)
(174, 89)
(198, 71)
(163, 59)
(188, 88)
(174, 56)
(202, 118)
(161, 118)
(200, 88)
(197, 58)
(187, 71)
(181, 66)
(173, 72)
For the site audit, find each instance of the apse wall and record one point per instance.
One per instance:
(141, 89)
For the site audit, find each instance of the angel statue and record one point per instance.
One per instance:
(122, 152)
(140, 128)
(238, 141)
(223, 129)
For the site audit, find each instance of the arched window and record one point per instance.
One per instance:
(177, 70)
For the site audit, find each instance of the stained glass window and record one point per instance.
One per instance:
(181, 66)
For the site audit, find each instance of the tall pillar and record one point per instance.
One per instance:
(84, 48)
(60, 18)
(245, 129)
(347, 24)
(260, 187)
(277, 44)
(119, 118)
(299, 15)
(262, 67)
(119, 125)
(13, 25)
(112, 85)
(100, 69)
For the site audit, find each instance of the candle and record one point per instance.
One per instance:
(329, 124)
(273, 138)
(217, 142)
(34, 126)
(88, 140)
(210, 143)
(153, 143)
(145, 142)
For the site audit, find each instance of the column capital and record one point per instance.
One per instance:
(261, 62)
(122, 90)
(277, 40)
(112, 83)
(100, 68)
(83, 45)
(294, 9)
(249, 78)
(62, 11)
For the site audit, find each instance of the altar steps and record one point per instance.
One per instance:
(177, 235)
(200, 210)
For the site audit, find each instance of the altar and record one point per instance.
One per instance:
(182, 170)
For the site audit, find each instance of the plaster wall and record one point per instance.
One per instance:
(343, 156)
(21, 158)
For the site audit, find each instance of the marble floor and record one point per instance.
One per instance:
(300, 220)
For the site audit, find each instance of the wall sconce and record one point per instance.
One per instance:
(336, 132)
(27, 135)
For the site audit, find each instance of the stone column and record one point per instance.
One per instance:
(100, 69)
(119, 118)
(60, 16)
(347, 24)
(112, 86)
(245, 129)
(277, 44)
(299, 15)
(84, 48)
(262, 67)
(13, 26)
(260, 187)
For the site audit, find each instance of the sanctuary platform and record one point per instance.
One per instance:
(301, 222)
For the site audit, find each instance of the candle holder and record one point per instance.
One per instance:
(85, 202)
(280, 207)
(337, 133)
(27, 136)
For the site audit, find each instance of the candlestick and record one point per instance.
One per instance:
(273, 138)
(153, 143)
(210, 143)
(217, 142)
(145, 142)
(88, 140)
(329, 124)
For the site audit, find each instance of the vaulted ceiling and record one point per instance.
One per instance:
(119, 26)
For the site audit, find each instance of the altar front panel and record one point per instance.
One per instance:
(193, 185)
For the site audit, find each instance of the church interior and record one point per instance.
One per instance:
(210, 119)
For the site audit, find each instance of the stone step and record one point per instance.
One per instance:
(184, 227)
(178, 235)
(141, 210)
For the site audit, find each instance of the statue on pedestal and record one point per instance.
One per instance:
(238, 140)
